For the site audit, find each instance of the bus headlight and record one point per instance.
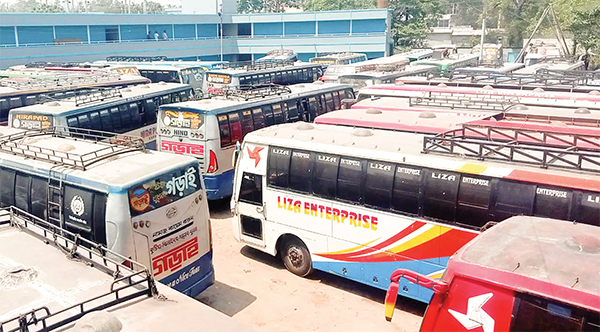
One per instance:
(16, 123)
(135, 225)
(148, 223)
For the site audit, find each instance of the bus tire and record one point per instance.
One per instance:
(296, 258)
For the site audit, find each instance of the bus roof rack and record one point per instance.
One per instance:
(61, 81)
(541, 78)
(251, 65)
(113, 145)
(126, 286)
(126, 58)
(464, 101)
(247, 92)
(457, 143)
(87, 97)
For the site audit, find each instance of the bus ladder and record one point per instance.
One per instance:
(55, 197)
(567, 156)
(464, 101)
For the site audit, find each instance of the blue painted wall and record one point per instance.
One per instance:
(133, 32)
(334, 27)
(207, 30)
(98, 32)
(305, 56)
(300, 28)
(7, 36)
(366, 26)
(185, 31)
(371, 55)
(160, 28)
(268, 29)
(35, 35)
(74, 31)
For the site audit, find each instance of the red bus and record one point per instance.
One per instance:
(523, 274)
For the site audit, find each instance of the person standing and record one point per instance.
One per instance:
(165, 37)
(156, 35)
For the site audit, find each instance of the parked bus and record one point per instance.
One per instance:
(343, 58)
(210, 129)
(144, 205)
(524, 274)
(415, 55)
(35, 89)
(279, 56)
(448, 64)
(206, 65)
(131, 111)
(389, 64)
(98, 290)
(220, 81)
(182, 74)
(362, 203)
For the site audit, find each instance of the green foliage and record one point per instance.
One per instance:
(266, 6)
(586, 29)
(318, 5)
(103, 6)
(411, 21)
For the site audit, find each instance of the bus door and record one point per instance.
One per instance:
(250, 204)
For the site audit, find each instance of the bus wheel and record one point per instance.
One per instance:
(296, 257)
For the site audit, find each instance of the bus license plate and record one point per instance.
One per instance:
(180, 133)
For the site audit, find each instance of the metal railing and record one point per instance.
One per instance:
(247, 92)
(464, 101)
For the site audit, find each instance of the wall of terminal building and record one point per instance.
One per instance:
(87, 37)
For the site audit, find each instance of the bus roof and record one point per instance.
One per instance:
(221, 105)
(340, 56)
(65, 106)
(120, 170)
(173, 66)
(407, 148)
(536, 255)
(44, 276)
(275, 68)
(450, 60)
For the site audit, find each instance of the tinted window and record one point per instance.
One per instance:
(441, 189)
(150, 111)
(224, 130)
(278, 167)
(116, 119)
(380, 180)
(72, 122)
(301, 171)
(84, 121)
(336, 100)
(405, 195)
(247, 123)
(513, 199)
(22, 192)
(314, 106)
(134, 112)
(106, 120)
(329, 102)
(268, 113)
(277, 114)
(473, 200)
(78, 209)
(39, 197)
(125, 116)
(349, 180)
(236, 127)
(588, 209)
(251, 189)
(552, 202)
(95, 121)
(7, 178)
(326, 169)
(259, 119)
(293, 110)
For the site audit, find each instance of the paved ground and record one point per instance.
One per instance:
(256, 290)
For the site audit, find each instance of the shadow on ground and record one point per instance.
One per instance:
(226, 299)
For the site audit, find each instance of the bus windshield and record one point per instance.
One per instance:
(218, 78)
(164, 189)
(192, 76)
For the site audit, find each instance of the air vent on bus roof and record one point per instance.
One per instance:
(399, 83)
(66, 147)
(305, 126)
(162, 83)
(427, 115)
(363, 132)
(488, 87)
(318, 82)
(373, 111)
(582, 110)
(442, 85)
(204, 101)
(538, 90)
(144, 86)
(584, 242)
(52, 103)
(519, 107)
(126, 90)
(300, 86)
(594, 92)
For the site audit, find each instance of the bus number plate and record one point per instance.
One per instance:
(181, 133)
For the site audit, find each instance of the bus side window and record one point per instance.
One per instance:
(247, 125)
(277, 113)
(350, 94)
(149, 111)
(321, 98)
(301, 171)
(22, 190)
(552, 203)
(532, 313)
(134, 112)
(106, 120)
(350, 179)
(125, 116)
(183, 95)
(166, 99)
(588, 209)
(175, 97)
(4, 108)
(336, 100)
(325, 175)
(379, 183)
(259, 118)
(513, 199)
(473, 200)
(7, 178)
(286, 112)
(329, 102)
(15, 102)
(278, 167)
(30, 100)
(268, 113)
(116, 119)
(441, 189)
(95, 120)
(235, 126)
(406, 192)
(72, 122)
(313, 106)
(84, 121)
(251, 189)
(292, 111)
(39, 197)
(224, 130)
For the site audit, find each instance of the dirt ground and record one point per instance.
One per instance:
(256, 290)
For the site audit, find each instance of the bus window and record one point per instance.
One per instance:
(292, 110)
(236, 127)
(149, 111)
(513, 199)
(407, 184)
(72, 122)
(22, 192)
(326, 171)
(116, 119)
(301, 171)
(134, 111)
(313, 106)
(278, 167)
(166, 99)
(39, 197)
(321, 99)
(7, 178)
(15, 102)
(106, 120)
(380, 179)
(552, 203)
(277, 113)
(251, 189)
(224, 130)
(95, 120)
(30, 100)
(588, 209)
(175, 98)
(349, 180)
(259, 118)
(125, 116)
(183, 96)
(473, 200)
(336, 100)
(247, 125)
(286, 112)
(538, 314)
(268, 113)
(84, 121)
(441, 189)
(243, 80)
(329, 102)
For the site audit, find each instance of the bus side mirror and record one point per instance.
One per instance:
(236, 154)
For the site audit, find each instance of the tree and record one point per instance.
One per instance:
(318, 5)
(411, 21)
(266, 6)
